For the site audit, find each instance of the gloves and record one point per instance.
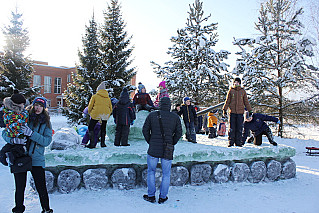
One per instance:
(21, 141)
(278, 122)
(250, 113)
(3, 159)
(132, 122)
(26, 130)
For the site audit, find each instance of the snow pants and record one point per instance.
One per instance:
(212, 132)
(121, 135)
(236, 129)
(190, 131)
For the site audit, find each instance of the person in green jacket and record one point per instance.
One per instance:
(39, 132)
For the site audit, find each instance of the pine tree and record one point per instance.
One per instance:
(115, 50)
(274, 64)
(196, 70)
(87, 78)
(15, 66)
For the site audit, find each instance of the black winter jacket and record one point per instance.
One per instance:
(152, 131)
(257, 125)
(124, 111)
(189, 113)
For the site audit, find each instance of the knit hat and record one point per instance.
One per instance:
(162, 84)
(40, 100)
(17, 98)
(186, 99)
(140, 87)
(124, 93)
(238, 80)
(101, 86)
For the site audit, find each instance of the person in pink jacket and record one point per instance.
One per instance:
(162, 93)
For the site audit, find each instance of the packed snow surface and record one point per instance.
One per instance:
(298, 194)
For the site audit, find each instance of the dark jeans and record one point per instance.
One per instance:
(38, 175)
(190, 131)
(121, 135)
(236, 129)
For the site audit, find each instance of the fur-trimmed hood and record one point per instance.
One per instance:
(9, 104)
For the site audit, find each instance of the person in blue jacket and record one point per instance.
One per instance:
(256, 123)
(39, 132)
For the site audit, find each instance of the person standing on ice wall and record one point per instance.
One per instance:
(236, 101)
(39, 131)
(256, 124)
(190, 119)
(162, 93)
(100, 108)
(124, 116)
(172, 129)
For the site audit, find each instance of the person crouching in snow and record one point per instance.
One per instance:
(124, 116)
(190, 119)
(256, 124)
(212, 124)
(96, 130)
(162, 93)
(142, 100)
(100, 108)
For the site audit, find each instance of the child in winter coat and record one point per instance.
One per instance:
(212, 124)
(162, 93)
(124, 116)
(14, 115)
(100, 109)
(236, 100)
(256, 124)
(142, 100)
(190, 119)
(221, 128)
(15, 118)
(96, 130)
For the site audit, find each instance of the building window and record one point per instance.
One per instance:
(68, 78)
(47, 84)
(48, 103)
(37, 80)
(57, 85)
(59, 102)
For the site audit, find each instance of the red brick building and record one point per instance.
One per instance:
(53, 81)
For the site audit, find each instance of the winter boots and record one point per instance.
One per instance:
(149, 199)
(91, 144)
(270, 137)
(103, 139)
(47, 211)
(162, 200)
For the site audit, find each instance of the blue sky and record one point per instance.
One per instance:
(56, 27)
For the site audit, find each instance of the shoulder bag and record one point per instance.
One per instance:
(168, 147)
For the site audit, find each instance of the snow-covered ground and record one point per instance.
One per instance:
(300, 194)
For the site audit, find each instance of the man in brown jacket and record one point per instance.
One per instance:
(236, 101)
